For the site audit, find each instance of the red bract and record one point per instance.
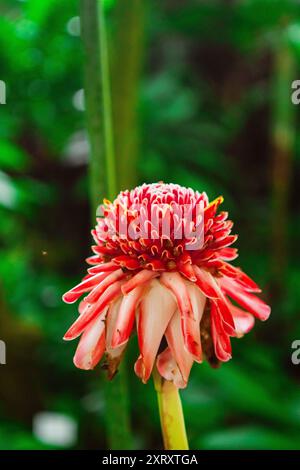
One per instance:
(177, 292)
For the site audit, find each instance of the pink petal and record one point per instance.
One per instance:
(90, 313)
(156, 310)
(114, 355)
(187, 270)
(140, 278)
(103, 267)
(220, 338)
(198, 301)
(177, 286)
(223, 243)
(208, 285)
(175, 340)
(110, 278)
(111, 320)
(88, 284)
(155, 265)
(91, 345)
(228, 254)
(248, 301)
(168, 369)
(125, 319)
(204, 282)
(83, 305)
(246, 282)
(95, 259)
(244, 321)
(127, 261)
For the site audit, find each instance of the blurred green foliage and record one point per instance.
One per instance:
(205, 108)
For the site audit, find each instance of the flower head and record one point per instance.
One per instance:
(161, 267)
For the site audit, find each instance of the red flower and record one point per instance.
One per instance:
(160, 264)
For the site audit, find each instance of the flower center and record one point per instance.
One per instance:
(159, 226)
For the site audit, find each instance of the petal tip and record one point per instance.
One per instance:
(68, 298)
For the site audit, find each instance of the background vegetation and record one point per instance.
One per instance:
(201, 97)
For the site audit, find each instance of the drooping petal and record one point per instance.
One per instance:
(91, 346)
(140, 278)
(113, 355)
(175, 340)
(85, 286)
(82, 307)
(229, 240)
(221, 339)
(93, 260)
(244, 321)
(126, 316)
(111, 320)
(208, 285)
(110, 279)
(156, 310)
(90, 313)
(248, 301)
(175, 283)
(246, 282)
(198, 301)
(168, 369)
(205, 283)
(103, 267)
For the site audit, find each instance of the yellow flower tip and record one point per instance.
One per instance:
(107, 202)
(219, 200)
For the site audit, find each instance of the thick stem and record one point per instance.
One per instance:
(107, 107)
(283, 141)
(102, 182)
(93, 101)
(171, 414)
(127, 59)
(117, 407)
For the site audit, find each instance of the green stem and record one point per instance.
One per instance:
(107, 107)
(102, 181)
(283, 141)
(117, 405)
(93, 101)
(127, 60)
(171, 414)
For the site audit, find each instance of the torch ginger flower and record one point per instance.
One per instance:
(176, 292)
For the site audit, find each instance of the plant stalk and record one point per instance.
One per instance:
(171, 414)
(283, 142)
(127, 61)
(107, 108)
(103, 181)
(93, 101)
